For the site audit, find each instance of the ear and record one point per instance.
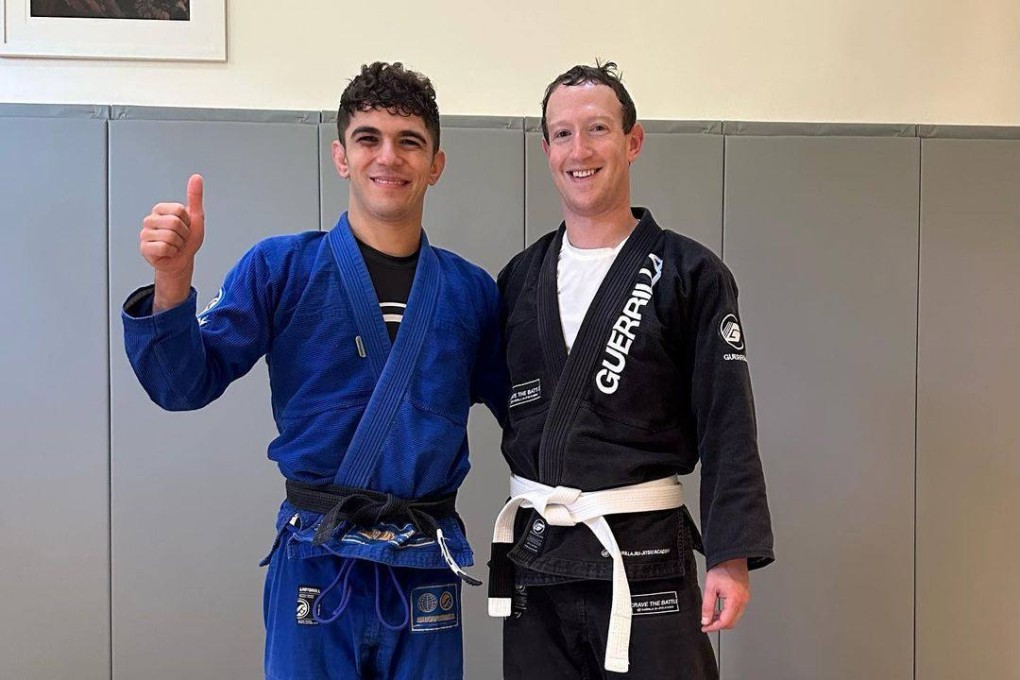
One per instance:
(340, 160)
(438, 163)
(545, 147)
(635, 141)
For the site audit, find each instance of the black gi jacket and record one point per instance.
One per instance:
(657, 378)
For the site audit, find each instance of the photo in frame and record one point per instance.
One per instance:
(185, 30)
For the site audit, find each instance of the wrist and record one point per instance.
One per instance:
(171, 290)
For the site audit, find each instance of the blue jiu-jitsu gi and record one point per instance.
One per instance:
(365, 588)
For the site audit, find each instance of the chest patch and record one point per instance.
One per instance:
(525, 393)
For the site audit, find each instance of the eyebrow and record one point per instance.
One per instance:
(365, 129)
(368, 129)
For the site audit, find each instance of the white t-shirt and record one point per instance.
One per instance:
(579, 273)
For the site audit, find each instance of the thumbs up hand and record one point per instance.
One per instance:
(171, 235)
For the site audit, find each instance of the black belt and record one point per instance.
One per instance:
(367, 508)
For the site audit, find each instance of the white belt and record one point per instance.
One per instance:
(567, 507)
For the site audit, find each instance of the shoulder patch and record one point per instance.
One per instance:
(730, 331)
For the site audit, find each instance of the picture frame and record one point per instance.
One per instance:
(202, 37)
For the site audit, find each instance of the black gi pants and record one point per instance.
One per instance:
(561, 632)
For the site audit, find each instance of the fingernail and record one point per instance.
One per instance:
(704, 620)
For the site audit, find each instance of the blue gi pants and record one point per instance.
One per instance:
(332, 617)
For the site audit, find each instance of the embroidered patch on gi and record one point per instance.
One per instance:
(624, 332)
(526, 392)
(730, 331)
(655, 603)
(398, 537)
(536, 536)
(202, 320)
(647, 552)
(434, 608)
(306, 599)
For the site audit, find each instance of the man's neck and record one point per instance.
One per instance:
(398, 239)
(602, 231)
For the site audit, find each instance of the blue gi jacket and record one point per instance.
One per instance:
(306, 302)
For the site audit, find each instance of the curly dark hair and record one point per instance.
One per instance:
(601, 74)
(394, 88)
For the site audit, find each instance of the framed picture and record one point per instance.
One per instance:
(187, 30)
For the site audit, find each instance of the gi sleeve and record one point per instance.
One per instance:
(184, 360)
(489, 378)
(734, 509)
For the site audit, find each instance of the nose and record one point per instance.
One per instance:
(389, 153)
(580, 147)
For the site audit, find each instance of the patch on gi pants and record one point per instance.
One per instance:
(655, 603)
(306, 599)
(525, 392)
(434, 608)
(536, 536)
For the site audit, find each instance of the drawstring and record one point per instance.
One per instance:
(346, 568)
(344, 574)
(378, 593)
(345, 593)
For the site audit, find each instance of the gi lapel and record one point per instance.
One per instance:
(392, 367)
(574, 370)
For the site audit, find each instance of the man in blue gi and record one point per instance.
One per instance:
(377, 345)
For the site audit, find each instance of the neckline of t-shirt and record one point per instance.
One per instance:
(591, 253)
(398, 261)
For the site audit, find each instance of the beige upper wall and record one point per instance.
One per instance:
(924, 61)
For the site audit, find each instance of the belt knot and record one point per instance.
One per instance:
(554, 506)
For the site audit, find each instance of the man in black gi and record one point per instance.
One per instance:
(627, 365)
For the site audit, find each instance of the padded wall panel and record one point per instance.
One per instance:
(194, 497)
(54, 494)
(821, 234)
(332, 189)
(968, 437)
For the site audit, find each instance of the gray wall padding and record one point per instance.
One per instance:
(877, 268)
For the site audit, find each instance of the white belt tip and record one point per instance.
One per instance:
(499, 607)
(617, 665)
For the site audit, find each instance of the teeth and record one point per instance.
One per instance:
(389, 182)
(582, 173)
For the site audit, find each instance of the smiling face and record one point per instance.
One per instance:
(589, 154)
(390, 162)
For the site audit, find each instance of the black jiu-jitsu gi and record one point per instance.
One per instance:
(656, 381)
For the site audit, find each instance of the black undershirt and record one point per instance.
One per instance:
(392, 278)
